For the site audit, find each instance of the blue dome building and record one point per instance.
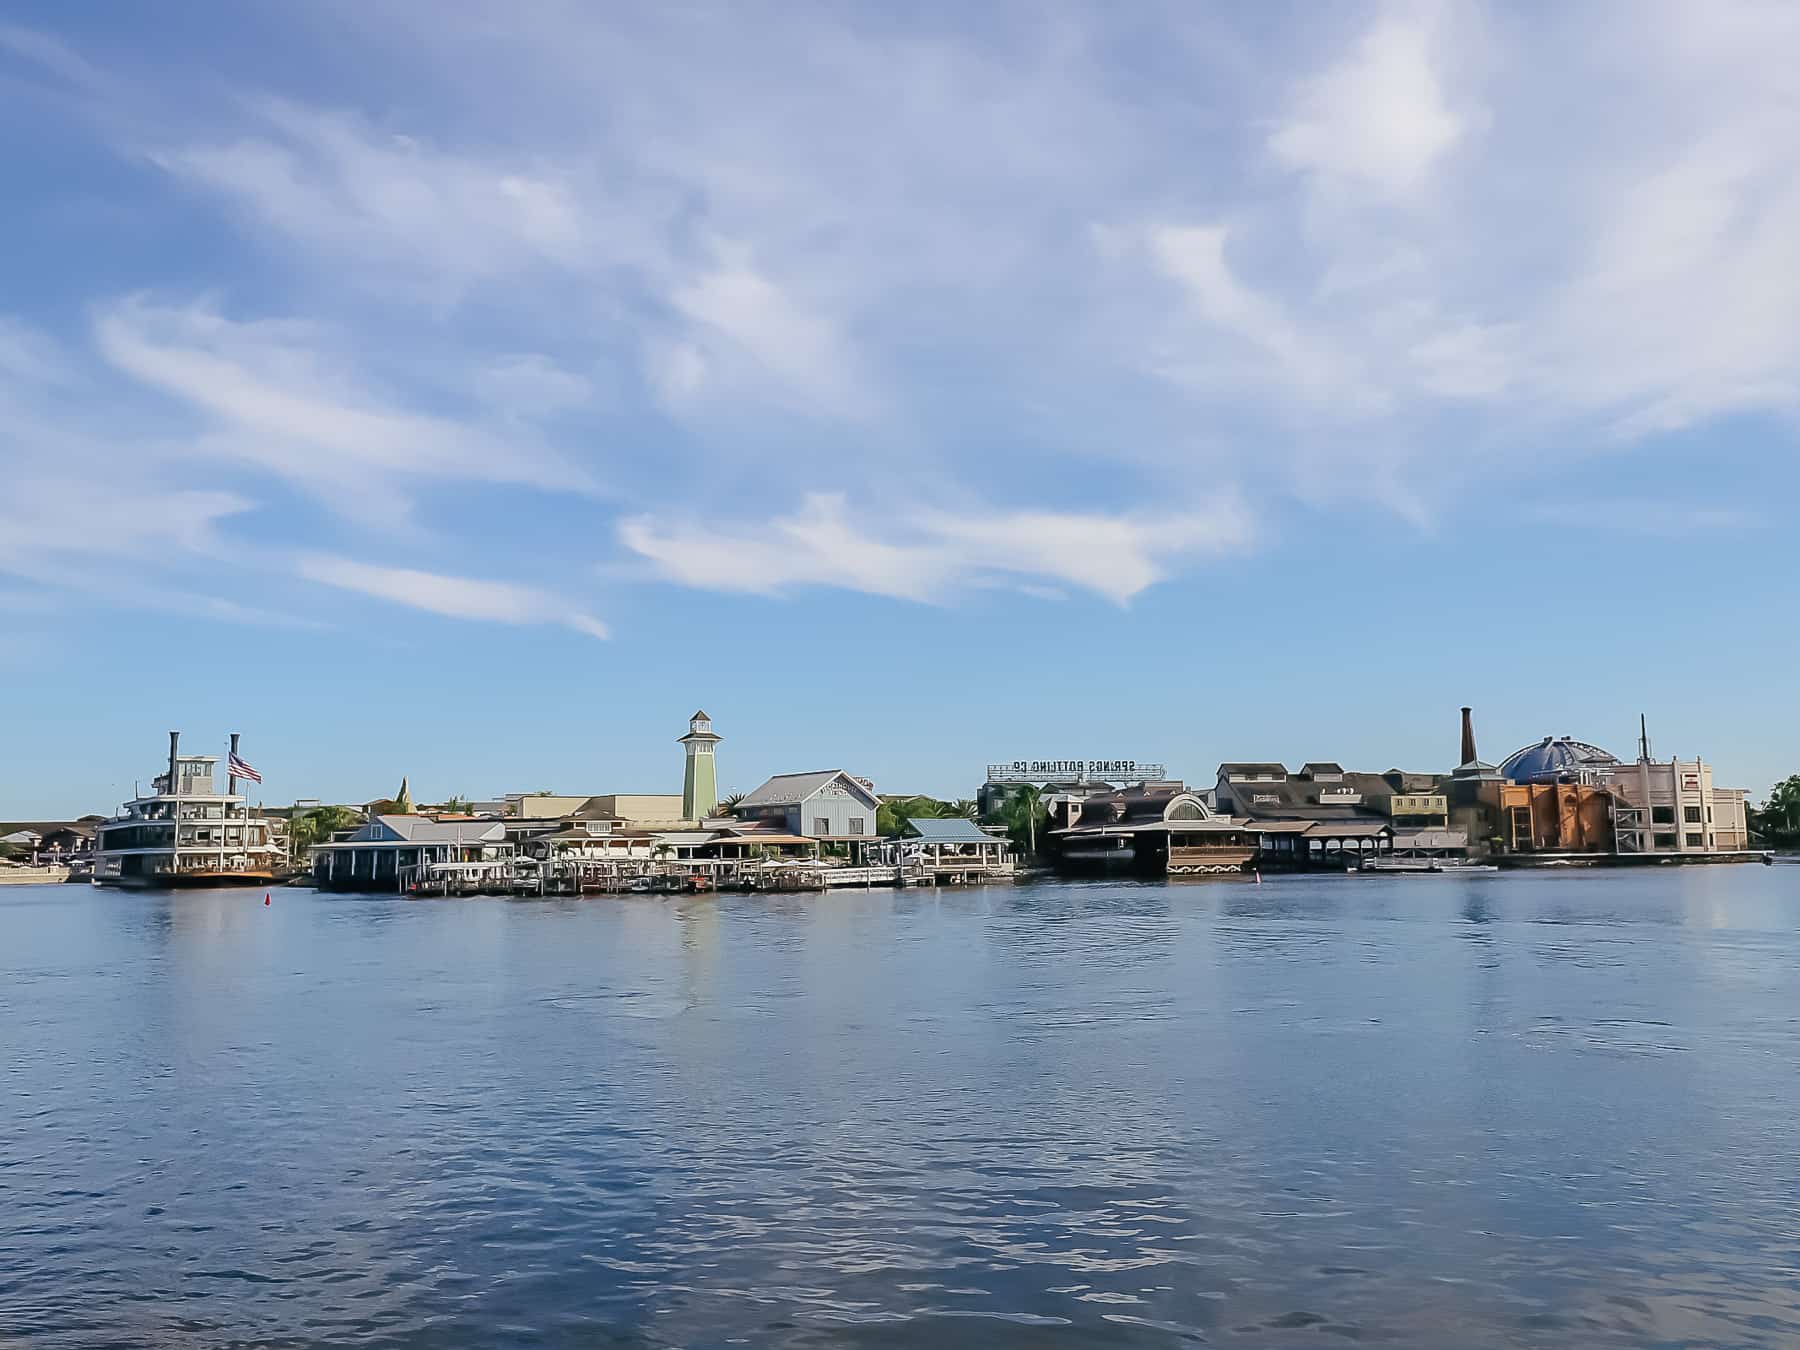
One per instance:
(1559, 759)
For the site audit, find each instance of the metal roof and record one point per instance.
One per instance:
(787, 789)
(425, 830)
(1556, 759)
(949, 830)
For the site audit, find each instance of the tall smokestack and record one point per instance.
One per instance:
(174, 748)
(230, 777)
(1468, 745)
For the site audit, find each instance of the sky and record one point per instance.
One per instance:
(473, 391)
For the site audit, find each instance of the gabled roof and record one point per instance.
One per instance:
(789, 789)
(84, 826)
(949, 830)
(425, 830)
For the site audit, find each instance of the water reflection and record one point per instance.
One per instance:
(1403, 1110)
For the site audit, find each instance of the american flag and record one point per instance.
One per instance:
(239, 769)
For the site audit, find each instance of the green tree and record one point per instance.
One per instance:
(318, 825)
(1779, 820)
(893, 813)
(1026, 815)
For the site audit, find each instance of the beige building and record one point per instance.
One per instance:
(541, 805)
(1671, 806)
(655, 809)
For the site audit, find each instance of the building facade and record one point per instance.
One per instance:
(828, 805)
(1672, 806)
(390, 850)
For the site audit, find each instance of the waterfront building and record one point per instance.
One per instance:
(1555, 817)
(700, 781)
(939, 844)
(52, 840)
(186, 833)
(1560, 795)
(1672, 807)
(828, 805)
(393, 851)
(1051, 775)
(1321, 816)
(1156, 828)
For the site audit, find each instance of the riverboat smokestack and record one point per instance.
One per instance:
(174, 749)
(1468, 745)
(230, 765)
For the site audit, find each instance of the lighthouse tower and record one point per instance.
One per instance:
(700, 788)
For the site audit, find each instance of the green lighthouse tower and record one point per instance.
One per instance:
(700, 788)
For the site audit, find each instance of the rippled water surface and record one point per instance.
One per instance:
(1407, 1111)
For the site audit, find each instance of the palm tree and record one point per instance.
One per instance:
(1780, 816)
(318, 825)
(1024, 808)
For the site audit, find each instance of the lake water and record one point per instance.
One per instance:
(1430, 1111)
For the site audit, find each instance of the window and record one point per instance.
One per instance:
(1691, 814)
(856, 825)
(821, 826)
(1662, 815)
(1663, 841)
(1696, 841)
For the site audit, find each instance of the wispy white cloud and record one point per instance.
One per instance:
(278, 395)
(389, 200)
(451, 596)
(44, 517)
(926, 555)
(530, 385)
(1380, 117)
(850, 251)
(736, 310)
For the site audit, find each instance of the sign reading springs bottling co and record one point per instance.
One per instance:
(1075, 770)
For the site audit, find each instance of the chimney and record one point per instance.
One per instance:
(1468, 745)
(230, 777)
(174, 747)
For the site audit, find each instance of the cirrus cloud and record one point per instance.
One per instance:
(451, 596)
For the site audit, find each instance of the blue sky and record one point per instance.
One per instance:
(472, 391)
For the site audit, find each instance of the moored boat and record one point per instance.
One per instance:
(187, 834)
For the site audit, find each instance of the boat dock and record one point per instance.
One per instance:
(529, 876)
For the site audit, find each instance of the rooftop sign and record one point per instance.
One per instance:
(1075, 770)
